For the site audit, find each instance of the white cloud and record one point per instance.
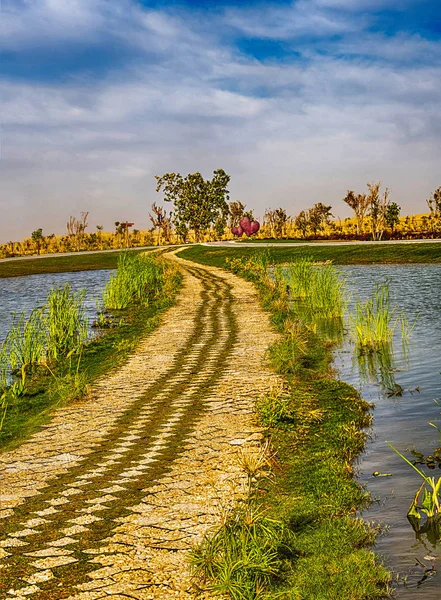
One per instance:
(289, 133)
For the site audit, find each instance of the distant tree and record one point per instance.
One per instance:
(434, 204)
(392, 215)
(276, 219)
(38, 238)
(161, 221)
(359, 204)
(77, 227)
(198, 203)
(236, 212)
(301, 222)
(99, 235)
(122, 230)
(378, 206)
(319, 216)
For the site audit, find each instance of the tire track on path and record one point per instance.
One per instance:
(116, 521)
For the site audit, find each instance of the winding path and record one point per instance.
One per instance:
(106, 500)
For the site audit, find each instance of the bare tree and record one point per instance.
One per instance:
(276, 219)
(359, 204)
(236, 212)
(161, 221)
(378, 207)
(77, 227)
(434, 204)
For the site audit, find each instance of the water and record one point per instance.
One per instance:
(26, 293)
(401, 420)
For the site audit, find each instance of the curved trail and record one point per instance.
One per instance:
(106, 501)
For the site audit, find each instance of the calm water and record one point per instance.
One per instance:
(401, 420)
(25, 293)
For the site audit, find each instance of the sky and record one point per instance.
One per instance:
(298, 101)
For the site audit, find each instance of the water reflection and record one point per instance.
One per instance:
(403, 383)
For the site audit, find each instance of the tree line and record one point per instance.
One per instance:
(202, 210)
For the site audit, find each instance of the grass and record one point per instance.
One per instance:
(373, 321)
(70, 376)
(61, 264)
(343, 255)
(66, 322)
(137, 278)
(317, 429)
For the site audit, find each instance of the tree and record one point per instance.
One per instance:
(122, 229)
(276, 219)
(319, 216)
(378, 206)
(237, 211)
(301, 222)
(161, 221)
(359, 204)
(434, 204)
(392, 215)
(198, 203)
(77, 227)
(37, 237)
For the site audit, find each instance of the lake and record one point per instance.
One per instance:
(25, 293)
(403, 419)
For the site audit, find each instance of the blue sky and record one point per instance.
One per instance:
(298, 101)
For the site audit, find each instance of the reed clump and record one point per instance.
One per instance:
(138, 279)
(320, 288)
(65, 321)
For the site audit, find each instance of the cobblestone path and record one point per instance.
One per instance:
(106, 500)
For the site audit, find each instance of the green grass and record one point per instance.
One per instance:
(316, 425)
(344, 255)
(69, 377)
(137, 278)
(61, 264)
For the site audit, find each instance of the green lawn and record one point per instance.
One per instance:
(345, 255)
(60, 264)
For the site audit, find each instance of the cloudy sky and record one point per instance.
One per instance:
(297, 100)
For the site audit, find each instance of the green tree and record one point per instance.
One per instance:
(198, 203)
(38, 238)
(392, 215)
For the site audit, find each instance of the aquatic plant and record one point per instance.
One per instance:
(138, 278)
(320, 288)
(65, 320)
(373, 321)
(26, 343)
(429, 503)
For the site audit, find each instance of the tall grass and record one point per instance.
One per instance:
(242, 558)
(138, 278)
(374, 322)
(65, 321)
(320, 288)
(57, 329)
(25, 345)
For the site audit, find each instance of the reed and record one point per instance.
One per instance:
(65, 321)
(26, 343)
(138, 278)
(320, 290)
(374, 320)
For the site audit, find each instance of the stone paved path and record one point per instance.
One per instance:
(106, 500)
